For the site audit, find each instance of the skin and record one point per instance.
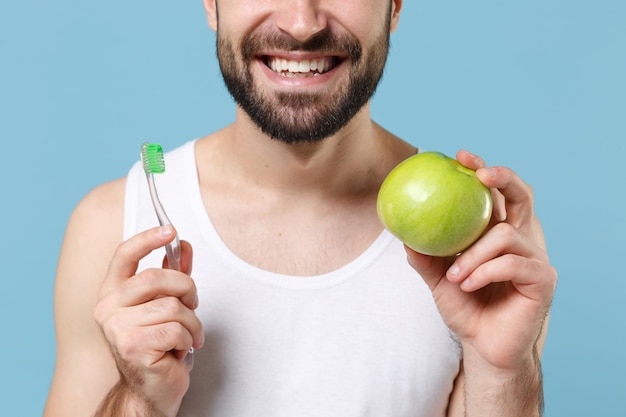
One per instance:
(503, 281)
(133, 329)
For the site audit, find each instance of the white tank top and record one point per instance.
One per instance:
(364, 340)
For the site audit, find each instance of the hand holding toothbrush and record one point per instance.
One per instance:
(148, 320)
(153, 162)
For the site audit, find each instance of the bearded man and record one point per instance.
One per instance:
(300, 302)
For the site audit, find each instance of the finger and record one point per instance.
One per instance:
(431, 269)
(128, 254)
(518, 195)
(147, 345)
(448, 296)
(154, 283)
(148, 285)
(127, 328)
(132, 331)
(513, 191)
(475, 162)
(470, 160)
(186, 258)
(529, 277)
(170, 309)
(113, 310)
(169, 336)
(503, 238)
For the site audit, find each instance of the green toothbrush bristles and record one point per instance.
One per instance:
(152, 158)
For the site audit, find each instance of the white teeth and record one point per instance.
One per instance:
(293, 66)
(305, 67)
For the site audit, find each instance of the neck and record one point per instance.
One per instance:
(339, 164)
(256, 189)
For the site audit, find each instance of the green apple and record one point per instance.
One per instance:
(433, 204)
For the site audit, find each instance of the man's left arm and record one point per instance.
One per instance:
(496, 296)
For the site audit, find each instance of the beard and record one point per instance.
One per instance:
(293, 117)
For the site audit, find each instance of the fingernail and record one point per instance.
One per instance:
(454, 270)
(165, 231)
(491, 172)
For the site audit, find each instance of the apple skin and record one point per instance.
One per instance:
(433, 204)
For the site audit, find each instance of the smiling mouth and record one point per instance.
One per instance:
(301, 68)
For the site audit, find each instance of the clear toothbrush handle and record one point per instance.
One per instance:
(172, 249)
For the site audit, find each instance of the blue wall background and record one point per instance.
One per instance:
(539, 86)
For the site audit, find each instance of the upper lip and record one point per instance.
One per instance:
(300, 55)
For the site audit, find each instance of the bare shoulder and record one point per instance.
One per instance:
(95, 227)
(84, 369)
(102, 199)
(396, 148)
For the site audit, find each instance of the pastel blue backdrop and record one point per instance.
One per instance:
(539, 86)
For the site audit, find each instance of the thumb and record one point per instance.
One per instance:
(129, 253)
(432, 269)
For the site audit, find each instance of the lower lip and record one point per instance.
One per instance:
(298, 81)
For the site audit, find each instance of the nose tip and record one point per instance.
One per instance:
(301, 21)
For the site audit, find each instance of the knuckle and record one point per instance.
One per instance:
(161, 333)
(555, 273)
(530, 191)
(527, 190)
(169, 305)
(188, 284)
(168, 333)
(199, 327)
(147, 277)
(103, 311)
(530, 194)
(191, 285)
(150, 275)
(115, 325)
(553, 276)
(505, 231)
(99, 313)
(123, 250)
(128, 344)
(512, 262)
(178, 331)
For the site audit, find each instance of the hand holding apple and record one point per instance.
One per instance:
(495, 297)
(435, 205)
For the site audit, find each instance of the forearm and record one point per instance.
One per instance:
(122, 402)
(513, 393)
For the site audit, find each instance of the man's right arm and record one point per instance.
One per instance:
(122, 335)
(85, 370)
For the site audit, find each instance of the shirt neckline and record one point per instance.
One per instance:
(222, 252)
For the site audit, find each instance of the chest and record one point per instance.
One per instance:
(367, 342)
(300, 239)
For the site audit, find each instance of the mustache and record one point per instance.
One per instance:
(324, 42)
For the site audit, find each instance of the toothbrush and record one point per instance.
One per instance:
(154, 163)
